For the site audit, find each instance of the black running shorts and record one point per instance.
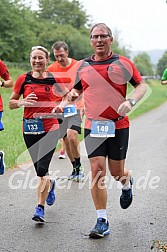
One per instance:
(113, 147)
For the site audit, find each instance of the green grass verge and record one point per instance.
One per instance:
(156, 95)
(11, 140)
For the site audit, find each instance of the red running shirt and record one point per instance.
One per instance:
(4, 74)
(104, 85)
(45, 90)
(68, 75)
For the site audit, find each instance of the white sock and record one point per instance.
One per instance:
(126, 187)
(102, 213)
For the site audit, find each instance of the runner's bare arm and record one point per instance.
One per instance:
(74, 94)
(15, 103)
(71, 96)
(139, 91)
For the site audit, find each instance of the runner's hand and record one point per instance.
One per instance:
(72, 96)
(58, 110)
(124, 108)
(28, 101)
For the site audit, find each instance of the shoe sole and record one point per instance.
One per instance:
(72, 178)
(130, 202)
(38, 219)
(97, 235)
(79, 180)
(52, 202)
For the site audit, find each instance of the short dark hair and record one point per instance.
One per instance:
(58, 44)
(102, 25)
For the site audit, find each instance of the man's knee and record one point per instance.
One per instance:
(72, 135)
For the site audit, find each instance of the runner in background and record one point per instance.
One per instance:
(164, 77)
(70, 122)
(5, 82)
(62, 149)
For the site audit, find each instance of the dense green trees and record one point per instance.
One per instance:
(22, 28)
(63, 12)
(162, 64)
(16, 34)
(143, 64)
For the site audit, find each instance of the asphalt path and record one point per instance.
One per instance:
(70, 219)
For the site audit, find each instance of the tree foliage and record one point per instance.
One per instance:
(22, 28)
(143, 64)
(63, 12)
(162, 64)
(16, 33)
